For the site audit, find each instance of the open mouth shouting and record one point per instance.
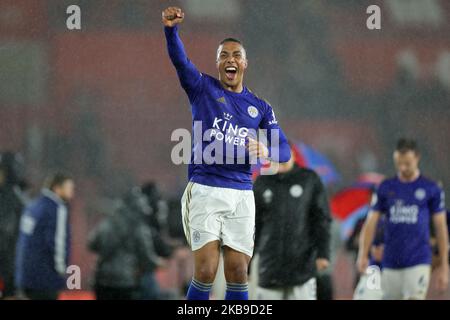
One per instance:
(231, 73)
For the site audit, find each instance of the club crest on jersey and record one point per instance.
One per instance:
(296, 190)
(252, 111)
(420, 194)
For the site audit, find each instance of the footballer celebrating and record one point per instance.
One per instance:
(409, 201)
(218, 206)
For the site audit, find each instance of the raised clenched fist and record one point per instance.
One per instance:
(172, 16)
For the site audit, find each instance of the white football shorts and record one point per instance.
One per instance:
(407, 284)
(213, 213)
(369, 285)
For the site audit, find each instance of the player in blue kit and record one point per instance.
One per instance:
(409, 201)
(218, 205)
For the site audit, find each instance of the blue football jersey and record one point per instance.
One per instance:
(408, 207)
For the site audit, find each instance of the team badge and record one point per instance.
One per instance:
(420, 194)
(196, 236)
(296, 190)
(252, 111)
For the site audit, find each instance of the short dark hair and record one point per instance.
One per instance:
(56, 179)
(231, 40)
(404, 145)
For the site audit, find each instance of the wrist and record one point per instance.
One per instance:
(170, 28)
(362, 255)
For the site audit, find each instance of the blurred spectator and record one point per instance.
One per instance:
(12, 200)
(174, 223)
(44, 241)
(150, 289)
(124, 244)
(152, 217)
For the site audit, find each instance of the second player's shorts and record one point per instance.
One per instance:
(212, 213)
(407, 284)
(369, 285)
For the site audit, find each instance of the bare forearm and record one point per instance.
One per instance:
(367, 236)
(364, 241)
(442, 242)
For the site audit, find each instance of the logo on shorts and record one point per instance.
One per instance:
(252, 111)
(421, 281)
(373, 281)
(296, 190)
(196, 236)
(420, 194)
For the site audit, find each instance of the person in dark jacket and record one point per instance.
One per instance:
(123, 242)
(156, 219)
(44, 241)
(292, 233)
(12, 201)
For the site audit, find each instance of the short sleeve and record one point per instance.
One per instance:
(379, 200)
(437, 201)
